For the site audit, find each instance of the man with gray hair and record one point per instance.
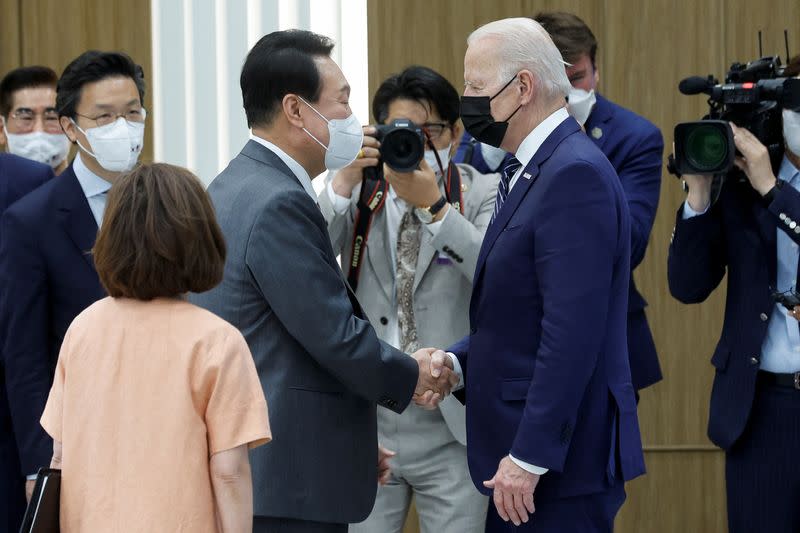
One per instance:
(551, 413)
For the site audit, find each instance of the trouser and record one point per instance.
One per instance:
(431, 466)
(762, 469)
(268, 524)
(592, 513)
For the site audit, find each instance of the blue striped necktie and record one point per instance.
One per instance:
(502, 188)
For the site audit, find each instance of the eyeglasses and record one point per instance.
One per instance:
(134, 116)
(25, 120)
(435, 129)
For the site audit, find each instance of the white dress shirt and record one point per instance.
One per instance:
(94, 187)
(296, 168)
(395, 208)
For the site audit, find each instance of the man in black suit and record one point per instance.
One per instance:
(18, 177)
(47, 275)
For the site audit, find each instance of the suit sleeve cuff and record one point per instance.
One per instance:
(434, 227)
(457, 370)
(533, 469)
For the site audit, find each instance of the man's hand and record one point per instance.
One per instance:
(419, 188)
(29, 484)
(513, 491)
(436, 377)
(384, 469)
(346, 179)
(754, 161)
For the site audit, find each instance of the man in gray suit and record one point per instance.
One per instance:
(430, 258)
(321, 364)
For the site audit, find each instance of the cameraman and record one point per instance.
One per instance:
(750, 231)
(415, 285)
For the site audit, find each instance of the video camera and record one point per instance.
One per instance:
(752, 97)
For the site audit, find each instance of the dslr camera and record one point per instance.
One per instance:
(402, 144)
(752, 97)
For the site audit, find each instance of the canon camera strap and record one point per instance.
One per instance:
(374, 189)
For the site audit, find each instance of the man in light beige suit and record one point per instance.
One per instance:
(414, 284)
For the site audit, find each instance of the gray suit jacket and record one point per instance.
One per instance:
(441, 291)
(321, 364)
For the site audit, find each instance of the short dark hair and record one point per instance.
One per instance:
(159, 236)
(571, 35)
(24, 78)
(792, 67)
(90, 67)
(280, 63)
(420, 84)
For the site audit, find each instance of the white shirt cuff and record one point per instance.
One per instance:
(32, 477)
(434, 227)
(340, 203)
(457, 371)
(533, 469)
(688, 212)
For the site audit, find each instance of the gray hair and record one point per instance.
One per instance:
(523, 44)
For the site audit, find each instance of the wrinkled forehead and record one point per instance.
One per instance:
(482, 61)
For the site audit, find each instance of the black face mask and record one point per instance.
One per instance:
(476, 114)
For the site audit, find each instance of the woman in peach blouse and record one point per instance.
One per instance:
(155, 402)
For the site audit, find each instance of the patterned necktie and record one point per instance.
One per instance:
(503, 187)
(408, 238)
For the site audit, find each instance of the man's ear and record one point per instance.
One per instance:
(3, 139)
(596, 76)
(69, 129)
(291, 106)
(457, 132)
(528, 86)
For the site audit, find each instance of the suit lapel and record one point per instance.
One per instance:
(379, 252)
(597, 127)
(76, 216)
(426, 255)
(521, 187)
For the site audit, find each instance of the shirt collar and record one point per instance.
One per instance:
(788, 171)
(91, 183)
(531, 144)
(296, 168)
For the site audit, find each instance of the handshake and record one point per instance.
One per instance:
(436, 377)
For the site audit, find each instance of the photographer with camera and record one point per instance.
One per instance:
(411, 260)
(748, 228)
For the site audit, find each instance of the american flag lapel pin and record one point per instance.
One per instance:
(526, 175)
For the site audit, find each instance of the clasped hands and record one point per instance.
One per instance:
(436, 377)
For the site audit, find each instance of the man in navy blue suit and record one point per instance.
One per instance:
(47, 275)
(18, 177)
(752, 232)
(551, 412)
(634, 147)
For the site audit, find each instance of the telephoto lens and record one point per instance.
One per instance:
(402, 144)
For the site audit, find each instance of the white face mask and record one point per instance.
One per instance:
(345, 138)
(492, 156)
(117, 145)
(581, 104)
(444, 156)
(791, 130)
(48, 148)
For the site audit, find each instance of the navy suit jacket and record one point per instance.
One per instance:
(634, 147)
(546, 363)
(47, 278)
(736, 235)
(18, 177)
